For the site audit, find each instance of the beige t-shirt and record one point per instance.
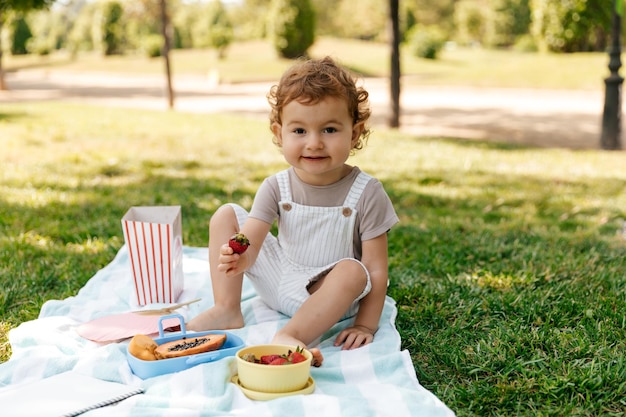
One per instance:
(375, 212)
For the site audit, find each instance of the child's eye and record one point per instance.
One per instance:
(299, 131)
(330, 130)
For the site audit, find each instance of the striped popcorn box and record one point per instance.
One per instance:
(154, 239)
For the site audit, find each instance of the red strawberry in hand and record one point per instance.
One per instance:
(239, 243)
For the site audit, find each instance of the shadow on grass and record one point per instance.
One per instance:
(491, 292)
(477, 143)
(40, 234)
(41, 63)
(12, 116)
(361, 72)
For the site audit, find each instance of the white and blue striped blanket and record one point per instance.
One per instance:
(376, 380)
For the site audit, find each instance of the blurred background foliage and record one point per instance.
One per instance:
(133, 26)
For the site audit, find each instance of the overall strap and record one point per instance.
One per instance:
(356, 190)
(283, 185)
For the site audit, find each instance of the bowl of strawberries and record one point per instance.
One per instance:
(274, 369)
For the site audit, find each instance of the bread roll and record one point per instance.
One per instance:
(142, 347)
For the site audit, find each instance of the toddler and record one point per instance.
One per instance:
(328, 261)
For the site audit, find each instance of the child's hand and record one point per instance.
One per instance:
(354, 337)
(230, 262)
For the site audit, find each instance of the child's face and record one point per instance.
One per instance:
(316, 139)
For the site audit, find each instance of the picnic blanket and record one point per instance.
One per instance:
(375, 380)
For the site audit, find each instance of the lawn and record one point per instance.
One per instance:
(248, 61)
(508, 264)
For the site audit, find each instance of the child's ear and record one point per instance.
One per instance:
(277, 131)
(357, 129)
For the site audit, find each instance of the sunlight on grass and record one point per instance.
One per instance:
(5, 347)
(501, 282)
(35, 240)
(509, 69)
(91, 245)
(507, 266)
(256, 61)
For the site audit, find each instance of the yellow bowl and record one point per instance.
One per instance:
(273, 378)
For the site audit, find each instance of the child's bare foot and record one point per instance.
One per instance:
(216, 318)
(283, 339)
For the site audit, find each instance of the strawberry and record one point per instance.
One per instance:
(297, 356)
(279, 361)
(267, 359)
(239, 243)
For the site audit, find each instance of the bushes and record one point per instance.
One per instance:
(112, 29)
(425, 42)
(119, 26)
(21, 35)
(571, 26)
(292, 27)
(152, 45)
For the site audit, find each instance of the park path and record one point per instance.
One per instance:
(542, 118)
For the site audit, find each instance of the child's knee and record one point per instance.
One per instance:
(225, 214)
(353, 273)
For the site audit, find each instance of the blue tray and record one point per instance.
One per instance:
(149, 369)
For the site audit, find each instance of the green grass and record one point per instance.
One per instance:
(256, 61)
(508, 264)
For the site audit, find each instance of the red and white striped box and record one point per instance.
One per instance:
(153, 235)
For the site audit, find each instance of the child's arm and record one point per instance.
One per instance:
(371, 306)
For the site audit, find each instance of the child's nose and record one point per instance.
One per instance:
(314, 141)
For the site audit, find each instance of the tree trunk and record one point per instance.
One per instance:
(3, 86)
(394, 120)
(611, 137)
(165, 28)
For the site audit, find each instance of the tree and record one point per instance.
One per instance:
(154, 16)
(112, 29)
(570, 26)
(7, 6)
(394, 19)
(166, 30)
(361, 19)
(213, 28)
(251, 19)
(438, 13)
(21, 35)
(292, 27)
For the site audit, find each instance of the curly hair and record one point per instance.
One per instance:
(311, 81)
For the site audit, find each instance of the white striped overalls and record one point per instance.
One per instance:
(311, 240)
